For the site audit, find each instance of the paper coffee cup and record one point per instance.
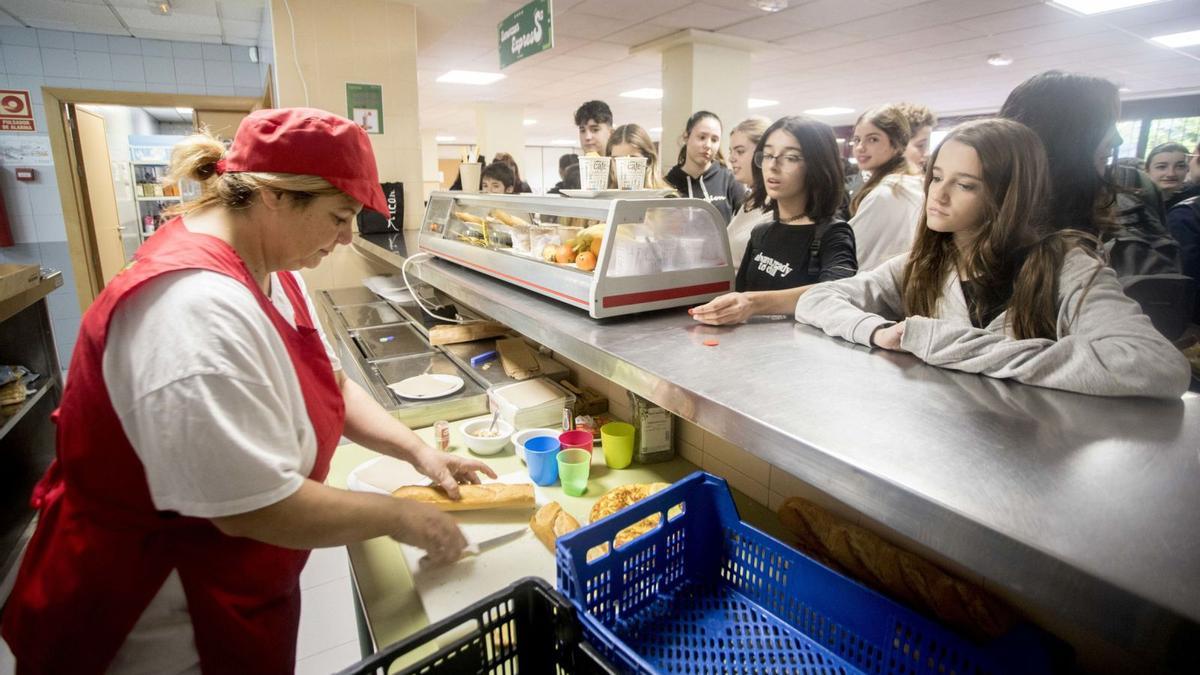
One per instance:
(593, 172)
(631, 173)
(470, 173)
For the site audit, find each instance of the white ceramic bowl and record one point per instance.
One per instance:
(521, 437)
(485, 445)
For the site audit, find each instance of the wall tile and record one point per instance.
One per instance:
(689, 432)
(254, 92)
(21, 254)
(738, 480)
(192, 89)
(157, 48)
(23, 228)
(727, 452)
(124, 45)
(189, 71)
(787, 485)
(66, 331)
(56, 255)
(91, 42)
(63, 303)
(128, 68)
(118, 85)
(31, 82)
(220, 91)
(159, 69)
(20, 60)
(56, 39)
(690, 452)
(39, 117)
(246, 75)
(43, 198)
(18, 35)
(241, 54)
(16, 195)
(187, 50)
(50, 228)
(63, 82)
(59, 63)
(94, 66)
(218, 73)
(216, 52)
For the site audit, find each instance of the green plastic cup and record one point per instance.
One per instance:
(574, 465)
(617, 438)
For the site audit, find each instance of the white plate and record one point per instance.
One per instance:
(420, 387)
(616, 194)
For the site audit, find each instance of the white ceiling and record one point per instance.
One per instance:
(169, 114)
(852, 53)
(231, 22)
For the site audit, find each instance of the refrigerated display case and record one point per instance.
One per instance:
(607, 256)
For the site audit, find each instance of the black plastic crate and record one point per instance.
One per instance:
(527, 628)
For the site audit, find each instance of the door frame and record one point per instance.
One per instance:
(81, 244)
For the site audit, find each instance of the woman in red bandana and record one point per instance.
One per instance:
(196, 429)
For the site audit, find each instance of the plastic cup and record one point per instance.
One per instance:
(470, 173)
(574, 465)
(541, 458)
(631, 172)
(593, 172)
(617, 438)
(576, 439)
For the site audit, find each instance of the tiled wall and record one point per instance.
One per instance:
(32, 59)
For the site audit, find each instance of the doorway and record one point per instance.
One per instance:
(111, 190)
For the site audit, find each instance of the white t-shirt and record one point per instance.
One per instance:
(208, 397)
(886, 220)
(739, 230)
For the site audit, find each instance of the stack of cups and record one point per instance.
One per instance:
(593, 172)
(631, 172)
(470, 173)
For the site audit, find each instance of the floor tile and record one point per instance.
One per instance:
(330, 660)
(325, 565)
(326, 618)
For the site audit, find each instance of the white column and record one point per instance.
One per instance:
(500, 128)
(429, 162)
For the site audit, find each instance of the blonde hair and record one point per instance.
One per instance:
(917, 115)
(753, 127)
(636, 136)
(195, 158)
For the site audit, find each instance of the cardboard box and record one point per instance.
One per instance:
(17, 278)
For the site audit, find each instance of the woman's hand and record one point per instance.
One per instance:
(447, 470)
(889, 338)
(724, 309)
(429, 529)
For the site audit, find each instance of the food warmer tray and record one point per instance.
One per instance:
(352, 295)
(369, 315)
(385, 342)
(469, 401)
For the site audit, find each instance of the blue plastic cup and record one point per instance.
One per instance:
(541, 456)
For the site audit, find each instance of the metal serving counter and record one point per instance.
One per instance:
(1083, 508)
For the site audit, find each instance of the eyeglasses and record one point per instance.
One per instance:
(788, 162)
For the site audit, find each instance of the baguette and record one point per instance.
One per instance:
(550, 522)
(474, 497)
(905, 576)
(508, 219)
(469, 218)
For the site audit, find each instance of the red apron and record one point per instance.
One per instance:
(102, 551)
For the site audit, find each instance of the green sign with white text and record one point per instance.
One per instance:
(525, 32)
(364, 105)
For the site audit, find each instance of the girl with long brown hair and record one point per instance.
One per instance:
(701, 172)
(743, 141)
(631, 140)
(884, 211)
(992, 287)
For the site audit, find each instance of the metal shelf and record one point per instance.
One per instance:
(29, 403)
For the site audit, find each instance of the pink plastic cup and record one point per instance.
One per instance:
(576, 438)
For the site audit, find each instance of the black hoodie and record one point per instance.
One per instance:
(717, 186)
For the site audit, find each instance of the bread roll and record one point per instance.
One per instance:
(907, 577)
(550, 522)
(474, 497)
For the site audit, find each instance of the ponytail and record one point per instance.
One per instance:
(693, 121)
(195, 158)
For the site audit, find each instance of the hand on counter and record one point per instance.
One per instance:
(889, 337)
(725, 309)
(431, 530)
(447, 470)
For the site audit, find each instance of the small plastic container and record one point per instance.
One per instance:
(541, 456)
(577, 438)
(574, 467)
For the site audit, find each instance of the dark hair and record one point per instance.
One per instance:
(567, 160)
(502, 172)
(1072, 114)
(695, 119)
(507, 159)
(596, 111)
(891, 120)
(1165, 147)
(824, 181)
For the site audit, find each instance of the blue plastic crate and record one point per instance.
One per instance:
(706, 593)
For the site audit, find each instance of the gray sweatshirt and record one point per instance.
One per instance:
(1105, 345)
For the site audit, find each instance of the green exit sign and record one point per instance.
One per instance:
(525, 32)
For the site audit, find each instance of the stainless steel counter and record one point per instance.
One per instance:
(1083, 507)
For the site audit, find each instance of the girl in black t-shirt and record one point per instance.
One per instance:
(798, 177)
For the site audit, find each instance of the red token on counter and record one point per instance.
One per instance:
(711, 343)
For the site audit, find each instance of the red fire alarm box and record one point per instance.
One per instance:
(25, 174)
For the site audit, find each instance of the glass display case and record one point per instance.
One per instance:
(606, 256)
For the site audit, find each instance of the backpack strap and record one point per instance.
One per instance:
(814, 249)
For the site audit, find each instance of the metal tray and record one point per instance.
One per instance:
(387, 342)
(353, 295)
(469, 401)
(372, 314)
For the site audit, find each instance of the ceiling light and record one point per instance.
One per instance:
(1176, 40)
(184, 111)
(444, 139)
(999, 60)
(1124, 90)
(470, 77)
(562, 141)
(831, 110)
(656, 130)
(530, 123)
(1100, 6)
(162, 7)
(643, 93)
(755, 103)
(768, 5)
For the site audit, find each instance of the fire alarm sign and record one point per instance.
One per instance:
(16, 114)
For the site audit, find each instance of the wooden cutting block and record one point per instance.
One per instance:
(519, 360)
(449, 334)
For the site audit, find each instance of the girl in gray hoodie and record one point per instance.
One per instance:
(990, 287)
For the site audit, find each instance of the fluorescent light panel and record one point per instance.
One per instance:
(1100, 6)
(755, 103)
(562, 141)
(831, 110)
(445, 139)
(1177, 40)
(647, 93)
(530, 123)
(469, 77)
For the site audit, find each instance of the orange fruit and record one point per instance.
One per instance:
(586, 261)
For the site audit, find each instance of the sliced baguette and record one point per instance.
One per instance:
(474, 497)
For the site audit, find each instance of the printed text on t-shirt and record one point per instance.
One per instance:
(772, 266)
